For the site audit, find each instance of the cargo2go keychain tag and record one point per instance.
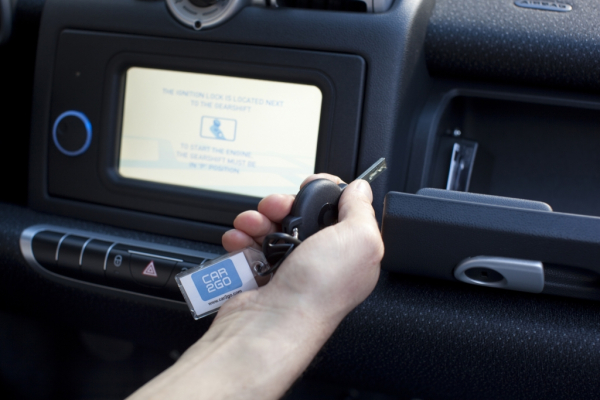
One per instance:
(208, 286)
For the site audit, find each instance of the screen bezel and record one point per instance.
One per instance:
(88, 78)
(117, 71)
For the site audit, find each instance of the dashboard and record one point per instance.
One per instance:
(136, 130)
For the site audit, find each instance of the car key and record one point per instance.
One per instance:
(316, 204)
(315, 208)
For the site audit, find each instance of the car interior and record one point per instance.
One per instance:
(136, 130)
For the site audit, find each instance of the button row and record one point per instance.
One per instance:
(113, 264)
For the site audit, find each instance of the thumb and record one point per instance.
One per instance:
(355, 203)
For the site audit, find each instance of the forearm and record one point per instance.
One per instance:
(251, 351)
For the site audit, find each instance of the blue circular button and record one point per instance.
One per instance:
(72, 133)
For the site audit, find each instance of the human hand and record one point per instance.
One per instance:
(332, 271)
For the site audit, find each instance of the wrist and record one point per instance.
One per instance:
(259, 315)
(260, 349)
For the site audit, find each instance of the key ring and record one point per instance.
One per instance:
(272, 250)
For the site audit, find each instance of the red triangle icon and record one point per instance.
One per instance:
(150, 270)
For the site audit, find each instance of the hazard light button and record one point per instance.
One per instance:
(150, 271)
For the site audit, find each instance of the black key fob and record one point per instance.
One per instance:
(316, 204)
(315, 207)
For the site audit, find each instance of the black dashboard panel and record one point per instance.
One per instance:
(413, 337)
(382, 42)
(89, 77)
(495, 40)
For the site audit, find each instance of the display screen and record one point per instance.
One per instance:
(228, 134)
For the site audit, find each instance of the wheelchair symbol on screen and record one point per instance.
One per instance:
(218, 128)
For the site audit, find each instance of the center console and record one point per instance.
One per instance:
(193, 130)
(148, 116)
(146, 123)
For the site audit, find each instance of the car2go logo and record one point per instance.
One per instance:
(217, 279)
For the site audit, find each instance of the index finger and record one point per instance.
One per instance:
(314, 177)
(276, 206)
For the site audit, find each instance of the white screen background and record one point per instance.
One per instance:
(227, 134)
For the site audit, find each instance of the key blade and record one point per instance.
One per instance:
(373, 171)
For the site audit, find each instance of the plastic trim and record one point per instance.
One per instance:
(107, 253)
(206, 17)
(25, 242)
(520, 275)
(83, 249)
(7, 8)
(58, 246)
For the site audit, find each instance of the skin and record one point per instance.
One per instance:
(261, 341)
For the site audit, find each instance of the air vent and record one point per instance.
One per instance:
(364, 6)
(337, 5)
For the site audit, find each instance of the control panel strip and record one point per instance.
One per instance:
(138, 268)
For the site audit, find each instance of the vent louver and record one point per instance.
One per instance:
(364, 6)
(336, 5)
